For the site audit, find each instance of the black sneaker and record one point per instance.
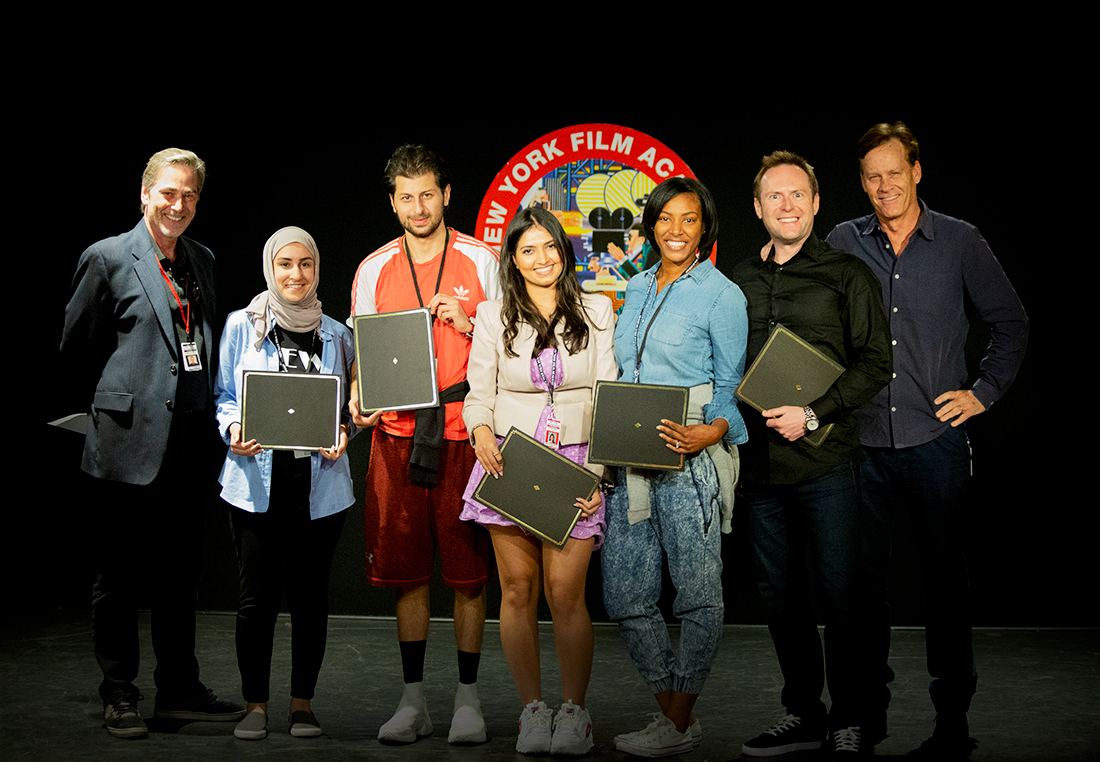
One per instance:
(943, 749)
(122, 719)
(787, 735)
(950, 741)
(847, 743)
(203, 706)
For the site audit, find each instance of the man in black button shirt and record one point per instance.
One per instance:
(138, 344)
(801, 497)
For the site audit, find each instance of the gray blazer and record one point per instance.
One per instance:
(119, 347)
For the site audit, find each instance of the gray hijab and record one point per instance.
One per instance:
(299, 317)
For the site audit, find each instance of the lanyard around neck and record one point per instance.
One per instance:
(637, 326)
(313, 350)
(184, 314)
(439, 277)
(553, 374)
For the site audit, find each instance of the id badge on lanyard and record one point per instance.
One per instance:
(191, 358)
(553, 434)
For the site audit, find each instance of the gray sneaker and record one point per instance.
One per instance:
(252, 728)
(122, 719)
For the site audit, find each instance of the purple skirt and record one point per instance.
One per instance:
(590, 526)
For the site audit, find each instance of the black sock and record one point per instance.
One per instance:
(467, 667)
(412, 659)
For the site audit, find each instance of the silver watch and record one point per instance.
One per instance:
(811, 419)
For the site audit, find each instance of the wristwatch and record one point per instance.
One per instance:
(811, 419)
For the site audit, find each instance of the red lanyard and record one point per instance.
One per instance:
(185, 315)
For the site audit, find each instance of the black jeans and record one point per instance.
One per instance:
(814, 522)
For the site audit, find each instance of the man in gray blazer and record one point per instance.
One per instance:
(139, 346)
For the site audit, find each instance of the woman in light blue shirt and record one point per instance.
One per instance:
(683, 324)
(287, 507)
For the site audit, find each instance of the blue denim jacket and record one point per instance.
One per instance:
(699, 337)
(246, 482)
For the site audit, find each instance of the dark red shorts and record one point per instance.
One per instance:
(406, 522)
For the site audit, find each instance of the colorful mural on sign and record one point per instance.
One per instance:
(595, 179)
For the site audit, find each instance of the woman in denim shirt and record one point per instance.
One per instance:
(683, 324)
(287, 508)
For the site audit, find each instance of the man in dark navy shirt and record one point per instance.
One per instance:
(803, 500)
(917, 456)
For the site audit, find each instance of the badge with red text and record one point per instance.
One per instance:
(552, 437)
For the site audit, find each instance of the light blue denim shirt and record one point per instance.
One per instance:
(246, 481)
(699, 337)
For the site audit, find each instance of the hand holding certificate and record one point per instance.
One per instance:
(789, 372)
(539, 488)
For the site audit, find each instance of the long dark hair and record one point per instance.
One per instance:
(518, 307)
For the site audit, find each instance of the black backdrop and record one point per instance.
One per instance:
(319, 165)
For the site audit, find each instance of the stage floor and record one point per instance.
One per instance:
(1038, 693)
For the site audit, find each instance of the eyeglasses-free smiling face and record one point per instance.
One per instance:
(294, 271)
(538, 259)
(679, 229)
(890, 181)
(170, 203)
(787, 205)
(419, 203)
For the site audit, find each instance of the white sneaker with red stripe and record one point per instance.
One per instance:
(534, 729)
(572, 731)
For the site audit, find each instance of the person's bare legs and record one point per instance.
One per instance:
(519, 568)
(469, 619)
(564, 573)
(413, 613)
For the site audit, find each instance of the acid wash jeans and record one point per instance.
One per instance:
(685, 525)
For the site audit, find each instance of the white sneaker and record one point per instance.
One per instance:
(659, 739)
(411, 719)
(572, 731)
(695, 728)
(468, 723)
(534, 729)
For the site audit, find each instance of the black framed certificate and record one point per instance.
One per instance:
(395, 361)
(789, 371)
(291, 411)
(538, 488)
(625, 417)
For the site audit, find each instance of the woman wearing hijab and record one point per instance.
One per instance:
(286, 507)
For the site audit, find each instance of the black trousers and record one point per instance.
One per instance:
(283, 551)
(146, 543)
